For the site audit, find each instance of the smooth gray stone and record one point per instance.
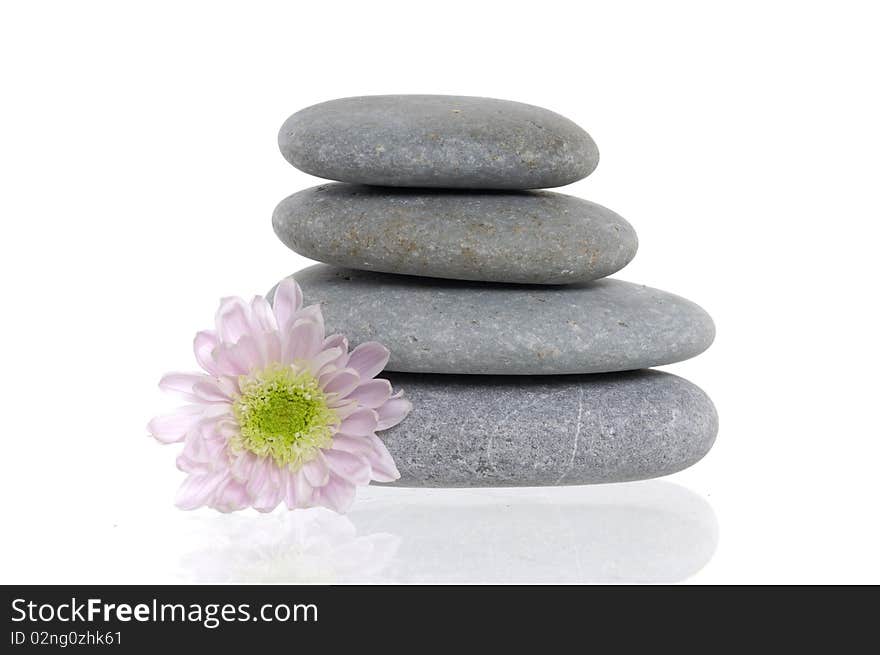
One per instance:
(438, 141)
(531, 237)
(447, 326)
(496, 431)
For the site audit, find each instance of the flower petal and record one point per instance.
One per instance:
(242, 466)
(286, 302)
(382, 463)
(172, 427)
(263, 317)
(369, 359)
(316, 472)
(302, 489)
(337, 494)
(302, 341)
(372, 393)
(231, 496)
(360, 422)
(272, 347)
(259, 476)
(340, 383)
(272, 492)
(209, 391)
(348, 466)
(289, 488)
(360, 445)
(233, 320)
(237, 359)
(197, 490)
(336, 341)
(319, 363)
(181, 383)
(393, 412)
(203, 345)
(250, 351)
(343, 408)
(312, 313)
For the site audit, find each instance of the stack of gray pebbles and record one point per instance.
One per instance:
(525, 364)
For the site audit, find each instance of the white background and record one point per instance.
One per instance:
(139, 170)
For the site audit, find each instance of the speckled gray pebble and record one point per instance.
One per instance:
(438, 141)
(481, 431)
(447, 326)
(532, 237)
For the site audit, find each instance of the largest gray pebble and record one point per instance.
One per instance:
(447, 326)
(490, 431)
(437, 141)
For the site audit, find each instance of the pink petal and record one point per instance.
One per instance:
(336, 341)
(303, 341)
(369, 359)
(360, 445)
(226, 429)
(172, 427)
(196, 490)
(259, 476)
(316, 472)
(337, 494)
(348, 466)
(372, 393)
(199, 452)
(286, 302)
(272, 492)
(340, 383)
(382, 463)
(243, 465)
(233, 320)
(252, 352)
(289, 488)
(233, 360)
(312, 313)
(343, 408)
(204, 344)
(302, 489)
(272, 344)
(231, 496)
(393, 412)
(360, 422)
(181, 383)
(264, 318)
(319, 363)
(209, 391)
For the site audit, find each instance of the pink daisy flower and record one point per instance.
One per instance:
(281, 414)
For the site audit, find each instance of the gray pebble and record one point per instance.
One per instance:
(447, 326)
(486, 431)
(437, 141)
(531, 237)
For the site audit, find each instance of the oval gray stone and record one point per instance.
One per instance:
(448, 326)
(531, 237)
(496, 431)
(437, 141)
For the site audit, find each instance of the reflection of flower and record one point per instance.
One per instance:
(312, 546)
(282, 414)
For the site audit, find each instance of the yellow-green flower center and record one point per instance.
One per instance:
(282, 413)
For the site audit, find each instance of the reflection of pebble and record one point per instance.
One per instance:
(638, 532)
(304, 546)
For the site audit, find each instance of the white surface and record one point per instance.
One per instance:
(139, 170)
